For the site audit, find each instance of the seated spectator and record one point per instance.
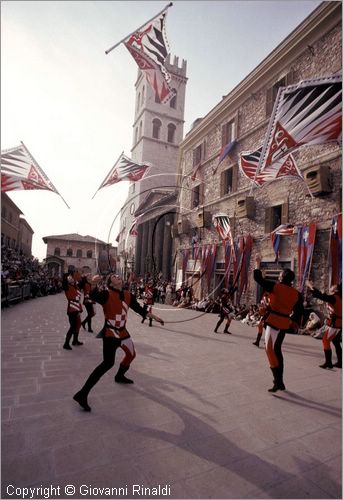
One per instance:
(312, 324)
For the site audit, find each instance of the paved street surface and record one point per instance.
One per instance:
(197, 423)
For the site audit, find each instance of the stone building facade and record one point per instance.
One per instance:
(157, 133)
(85, 253)
(15, 230)
(313, 49)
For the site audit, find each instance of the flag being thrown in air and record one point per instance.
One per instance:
(19, 170)
(149, 47)
(125, 169)
(309, 112)
(283, 168)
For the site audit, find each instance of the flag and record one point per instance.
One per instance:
(125, 169)
(19, 170)
(149, 48)
(282, 230)
(306, 239)
(225, 151)
(309, 112)
(284, 167)
(222, 225)
(335, 250)
(228, 254)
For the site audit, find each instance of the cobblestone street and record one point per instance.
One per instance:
(197, 423)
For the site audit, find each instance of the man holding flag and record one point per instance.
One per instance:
(284, 314)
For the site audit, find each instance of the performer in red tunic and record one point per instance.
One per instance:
(149, 298)
(74, 309)
(116, 303)
(86, 287)
(333, 330)
(284, 314)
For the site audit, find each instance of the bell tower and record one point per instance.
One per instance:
(157, 133)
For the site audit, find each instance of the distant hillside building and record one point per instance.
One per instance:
(157, 133)
(15, 230)
(85, 253)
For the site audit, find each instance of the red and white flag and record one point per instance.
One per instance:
(125, 169)
(309, 112)
(222, 225)
(19, 170)
(282, 168)
(149, 48)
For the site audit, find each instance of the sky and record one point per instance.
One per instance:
(73, 106)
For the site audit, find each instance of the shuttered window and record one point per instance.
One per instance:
(274, 216)
(229, 180)
(272, 91)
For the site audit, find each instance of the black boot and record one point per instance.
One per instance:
(278, 382)
(67, 340)
(83, 323)
(336, 343)
(150, 321)
(76, 340)
(226, 330)
(328, 360)
(258, 339)
(120, 376)
(81, 398)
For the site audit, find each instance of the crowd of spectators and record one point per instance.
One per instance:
(21, 273)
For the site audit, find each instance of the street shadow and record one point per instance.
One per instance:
(309, 403)
(221, 451)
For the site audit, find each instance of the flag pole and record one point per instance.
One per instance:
(123, 40)
(121, 154)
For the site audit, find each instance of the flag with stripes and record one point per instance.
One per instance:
(125, 169)
(19, 170)
(149, 47)
(309, 112)
(222, 225)
(283, 168)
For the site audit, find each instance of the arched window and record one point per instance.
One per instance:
(79, 253)
(89, 254)
(140, 129)
(57, 251)
(171, 132)
(69, 252)
(172, 101)
(156, 128)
